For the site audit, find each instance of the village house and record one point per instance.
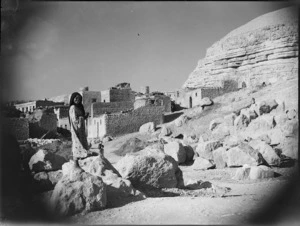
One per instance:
(62, 114)
(114, 124)
(31, 106)
(192, 97)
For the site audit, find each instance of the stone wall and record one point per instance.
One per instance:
(18, 127)
(211, 92)
(112, 107)
(263, 50)
(123, 123)
(117, 95)
(154, 101)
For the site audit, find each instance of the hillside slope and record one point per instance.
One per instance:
(263, 50)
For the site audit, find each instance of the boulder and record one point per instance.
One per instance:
(203, 164)
(130, 146)
(267, 106)
(203, 138)
(176, 150)
(116, 186)
(260, 126)
(45, 181)
(229, 119)
(45, 160)
(291, 113)
(276, 136)
(190, 139)
(205, 102)
(189, 153)
(147, 128)
(165, 131)
(267, 152)
(181, 120)
(26, 153)
(232, 141)
(77, 192)
(242, 173)
(243, 154)
(55, 176)
(41, 182)
(260, 172)
(205, 149)
(265, 138)
(52, 145)
(289, 147)
(280, 119)
(150, 168)
(250, 114)
(106, 139)
(221, 131)
(220, 157)
(214, 123)
(290, 128)
(241, 122)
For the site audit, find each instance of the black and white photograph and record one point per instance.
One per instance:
(149, 113)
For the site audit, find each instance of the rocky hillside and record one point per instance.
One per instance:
(263, 50)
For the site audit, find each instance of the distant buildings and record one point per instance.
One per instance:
(115, 111)
(33, 105)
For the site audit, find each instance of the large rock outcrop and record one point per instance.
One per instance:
(263, 50)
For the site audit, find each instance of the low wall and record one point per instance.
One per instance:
(18, 127)
(111, 107)
(123, 123)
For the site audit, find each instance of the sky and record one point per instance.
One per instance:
(59, 47)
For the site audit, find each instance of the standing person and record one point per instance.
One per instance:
(77, 116)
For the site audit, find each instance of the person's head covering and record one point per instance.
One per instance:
(80, 106)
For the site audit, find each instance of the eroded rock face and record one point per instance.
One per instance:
(263, 50)
(150, 168)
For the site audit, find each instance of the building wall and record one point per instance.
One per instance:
(112, 107)
(123, 123)
(193, 98)
(105, 96)
(61, 112)
(63, 123)
(211, 92)
(154, 101)
(18, 127)
(97, 127)
(26, 107)
(89, 97)
(31, 106)
(117, 95)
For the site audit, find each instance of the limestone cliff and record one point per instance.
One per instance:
(263, 50)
